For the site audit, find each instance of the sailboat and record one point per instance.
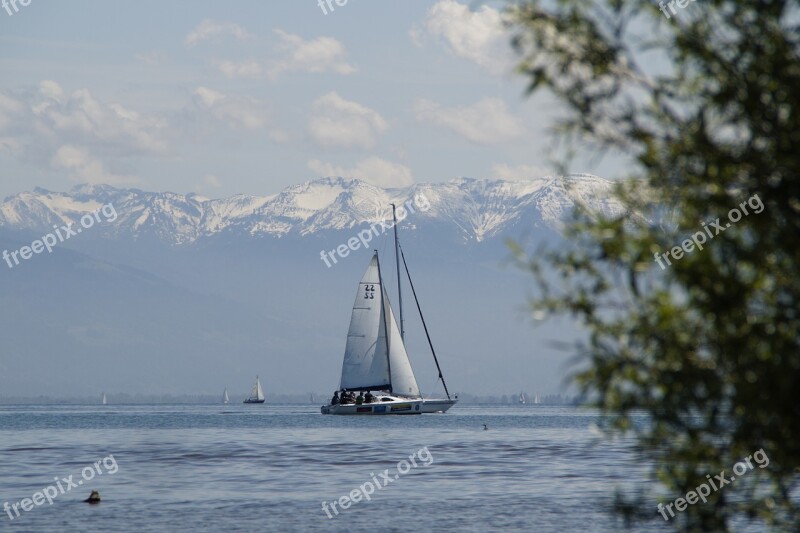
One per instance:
(257, 394)
(522, 399)
(536, 399)
(375, 357)
(225, 398)
(104, 400)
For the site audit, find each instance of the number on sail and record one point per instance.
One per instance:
(369, 292)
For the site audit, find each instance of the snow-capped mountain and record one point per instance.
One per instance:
(476, 209)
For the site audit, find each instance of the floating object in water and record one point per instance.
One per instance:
(94, 497)
(484, 427)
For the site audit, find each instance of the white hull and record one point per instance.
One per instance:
(437, 405)
(395, 406)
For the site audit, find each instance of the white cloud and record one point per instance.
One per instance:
(78, 133)
(242, 69)
(234, 112)
(92, 140)
(50, 89)
(478, 36)
(372, 170)
(48, 117)
(84, 169)
(292, 54)
(506, 172)
(337, 122)
(212, 181)
(11, 145)
(10, 111)
(485, 122)
(323, 54)
(152, 58)
(415, 34)
(209, 29)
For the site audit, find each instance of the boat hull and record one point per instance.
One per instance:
(254, 401)
(436, 405)
(396, 406)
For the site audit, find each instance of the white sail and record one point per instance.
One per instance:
(258, 392)
(104, 400)
(225, 398)
(366, 363)
(403, 380)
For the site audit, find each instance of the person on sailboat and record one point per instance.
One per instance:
(360, 399)
(368, 397)
(345, 398)
(335, 399)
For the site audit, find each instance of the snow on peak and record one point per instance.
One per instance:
(478, 208)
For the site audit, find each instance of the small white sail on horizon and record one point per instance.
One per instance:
(257, 394)
(104, 400)
(225, 398)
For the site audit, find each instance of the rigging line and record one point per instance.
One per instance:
(414, 292)
(397, 261)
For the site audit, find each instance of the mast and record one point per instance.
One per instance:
(414, 292)
(397, 260)
(383, 316)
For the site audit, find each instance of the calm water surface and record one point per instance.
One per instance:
(270, 467)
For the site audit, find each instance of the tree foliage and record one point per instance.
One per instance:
(706, 106)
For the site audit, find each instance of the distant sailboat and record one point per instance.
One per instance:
(536, 399)
(257, 394)
(104, 400)
(225, 398)
(522, 399)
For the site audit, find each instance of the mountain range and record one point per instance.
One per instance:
(184, 294)
(479, 209)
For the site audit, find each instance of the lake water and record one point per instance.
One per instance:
(270, 468)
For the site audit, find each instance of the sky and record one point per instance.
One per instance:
(222, 98)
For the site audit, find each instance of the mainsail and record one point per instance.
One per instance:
(375, 357)
(366, 365)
